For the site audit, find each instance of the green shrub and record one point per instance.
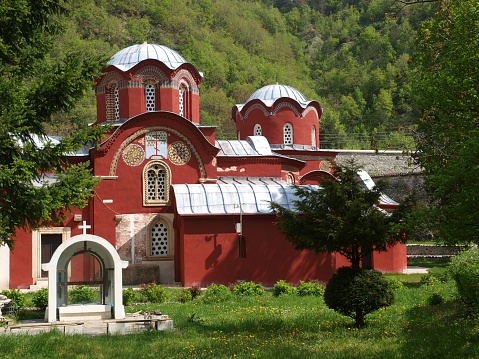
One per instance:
(464, 269)
(215, 293)
(429, 280)
(356, 293)
(40, 298)
(435, 299)
(312, 288)
(395, 283)
(248, 288)
(184, 296)
(83, 294)
(154, 293)
(18, 298)
(195, 291)
(129, 296)
(281, 287)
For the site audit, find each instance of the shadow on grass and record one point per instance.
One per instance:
(441, 331)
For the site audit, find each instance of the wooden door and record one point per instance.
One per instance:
(50, 243)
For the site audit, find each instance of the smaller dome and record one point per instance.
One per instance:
(129, 57)
(269, 94)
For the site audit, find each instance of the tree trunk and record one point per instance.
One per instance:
(359, 318)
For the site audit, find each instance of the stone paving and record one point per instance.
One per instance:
(132, 324)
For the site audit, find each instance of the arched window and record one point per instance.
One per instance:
(313, 136)
(156, 184)
(257, 130)
(290, 178)
(150, 97)
(160, 239)
(117, 104)
(183, 99)
(288, 134)
(112, 102)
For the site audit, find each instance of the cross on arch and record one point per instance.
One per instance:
(84, 226)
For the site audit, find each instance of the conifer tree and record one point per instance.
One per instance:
(32, 90)
(342, 216)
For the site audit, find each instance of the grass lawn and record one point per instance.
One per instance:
(284, 327)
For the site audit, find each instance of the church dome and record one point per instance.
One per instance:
(129, 57)
(269, 94)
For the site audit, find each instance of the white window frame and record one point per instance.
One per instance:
(156, 202)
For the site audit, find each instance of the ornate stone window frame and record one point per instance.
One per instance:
(184, 100)
(168, 222)
(37, 248)
(288, 134)
(257, 130)
(112, 101)
(167, 184)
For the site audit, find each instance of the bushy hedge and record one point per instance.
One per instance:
(356, 293)
(248, 288)
(216, 293)
(281, 287)
(40, 298)
(153, 293)
(464, 269)
(313, 288)
(16, 296)
(83, 294)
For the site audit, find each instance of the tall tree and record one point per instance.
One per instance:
(446, 91)
(341, 216)
(32, 90)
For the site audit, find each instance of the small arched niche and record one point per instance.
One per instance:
(108, 279)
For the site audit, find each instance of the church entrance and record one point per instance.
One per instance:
(49, 243)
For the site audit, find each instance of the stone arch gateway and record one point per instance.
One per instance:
(112, 265)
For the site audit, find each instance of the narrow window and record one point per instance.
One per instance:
(257, 130)
(288, 134)
(150, 97)
(241, 247)
(111, 94)
(117, 104)
(156, 184)
(181, 100)
(313, 136)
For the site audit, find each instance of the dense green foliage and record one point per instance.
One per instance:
(279, 327)
(40, 298)
(341, 216)
(281, 287)
(248, 288)
(345, 53)
(355, 293)
(33, 89)
(446, 95)
(83, 294)
(310, 288)
(16, 296)
(464, 270)
(153, 293)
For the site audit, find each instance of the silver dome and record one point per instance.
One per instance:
(127, 58)
(269, 94)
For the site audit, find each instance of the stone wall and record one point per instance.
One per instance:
(394, 166)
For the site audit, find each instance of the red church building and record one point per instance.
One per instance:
(178, 204)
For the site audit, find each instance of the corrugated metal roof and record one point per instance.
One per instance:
(226, 197)
(253, 146)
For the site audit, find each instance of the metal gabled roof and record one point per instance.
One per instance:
(233, 196)
(252, 146)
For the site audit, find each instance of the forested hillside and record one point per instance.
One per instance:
(347, 54)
